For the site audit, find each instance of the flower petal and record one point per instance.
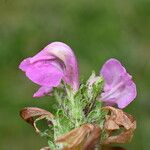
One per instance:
(24, 65)
(54, 63)
(112, 70)
(42, 55)
(127, 95)
(64, 53)
(119, 88)
(43, 73)
(42, 91)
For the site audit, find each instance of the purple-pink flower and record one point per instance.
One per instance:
(118, 85)
(56, 62)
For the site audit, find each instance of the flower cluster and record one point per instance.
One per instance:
(57, 62)
(55, 70)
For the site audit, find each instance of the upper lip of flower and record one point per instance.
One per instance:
(58, 55)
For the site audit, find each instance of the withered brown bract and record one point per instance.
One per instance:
(118, 120)
(87, 136)
(33, 114)
(82, 138)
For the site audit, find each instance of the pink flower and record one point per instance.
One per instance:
(56, 62)
(118, 88)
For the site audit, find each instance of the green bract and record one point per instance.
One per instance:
(75, 109)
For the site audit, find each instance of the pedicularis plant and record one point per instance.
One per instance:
(84, 118)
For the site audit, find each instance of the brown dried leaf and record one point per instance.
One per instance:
(118, 120)
(82, 138)
(94, 139)
(33, 114)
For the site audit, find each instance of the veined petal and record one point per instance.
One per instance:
(42, 91)
(118, 88)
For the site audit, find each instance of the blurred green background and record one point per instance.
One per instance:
(97, 30)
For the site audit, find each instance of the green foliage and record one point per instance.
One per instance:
(76, 108)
